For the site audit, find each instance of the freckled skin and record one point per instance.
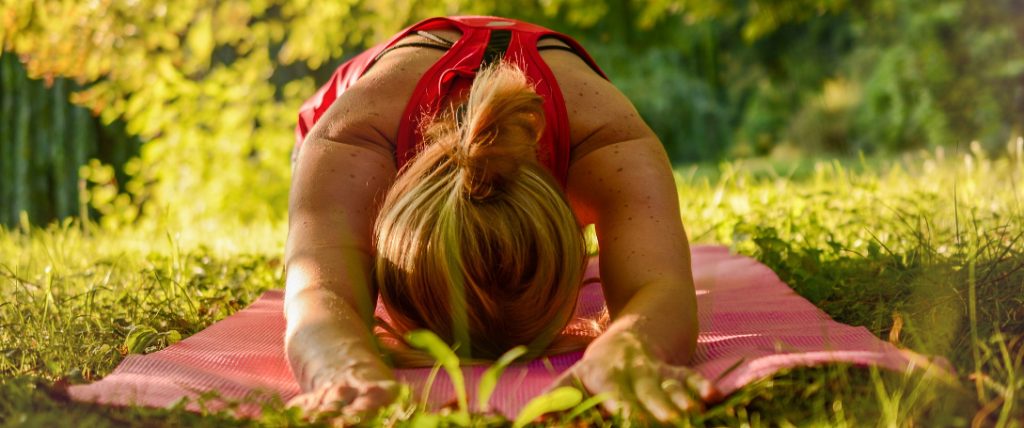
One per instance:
(621, 182)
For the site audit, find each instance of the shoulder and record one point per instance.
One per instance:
(372, 107)
(599, 114)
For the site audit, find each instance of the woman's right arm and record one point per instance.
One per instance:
(339, 178)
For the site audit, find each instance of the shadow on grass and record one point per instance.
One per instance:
(964, 303)
(30, 401)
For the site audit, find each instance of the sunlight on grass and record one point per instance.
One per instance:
(924, 250)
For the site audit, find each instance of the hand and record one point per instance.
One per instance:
(638, 383)
(349, 392)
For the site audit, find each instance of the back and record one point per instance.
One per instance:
(477, 41)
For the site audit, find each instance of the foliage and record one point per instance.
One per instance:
(938, 73)
(43, 142)
(926, 251)
(196, 80)
(446, 358)
(212, 87)
(489, 380)
(559, 399)
(687, 108)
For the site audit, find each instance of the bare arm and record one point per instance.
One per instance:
(339, 179)
(329, 295)
(627, 190)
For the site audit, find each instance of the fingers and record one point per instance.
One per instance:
(642, 387)
(621, 401)
(336, 398)
(373, 397)
(302, 401)
(654, 399)
(591, 380)
(567, 378)
(667, 392)
(679, 396)
(329, 399)
(629, 389)
(346, 399)
(701, 388)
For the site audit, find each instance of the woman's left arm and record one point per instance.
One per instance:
(627, 190)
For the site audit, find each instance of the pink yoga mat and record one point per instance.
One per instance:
(750, 320)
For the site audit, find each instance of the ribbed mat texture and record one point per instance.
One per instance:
(750, 321)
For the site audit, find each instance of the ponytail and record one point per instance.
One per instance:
(475, 241)
(494, 132)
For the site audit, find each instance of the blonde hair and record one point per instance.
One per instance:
(475, 241)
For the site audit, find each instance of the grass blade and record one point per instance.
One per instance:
(433, 345)
(489, 380)
(559, 399)
(139, 339)
(587, 404)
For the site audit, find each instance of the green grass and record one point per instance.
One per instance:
(924, 250)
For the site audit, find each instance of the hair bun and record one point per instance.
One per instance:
(475, 241)
(498, 130)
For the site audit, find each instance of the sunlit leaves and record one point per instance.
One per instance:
(489, 380)
(213, 85)
(428, 341)
(557, 400)
(758, 18)
(200, 42)
(193, 78)
(316, 34)
(139, 339)
(200, 80)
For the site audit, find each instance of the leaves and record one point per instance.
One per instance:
(883, 235)
(557, 400)
(589, 403)
(490, 378)
(139, 339)
(172, 337)
(200, 42)
(213, 86)
(428, 341)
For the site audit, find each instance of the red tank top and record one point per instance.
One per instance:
(483, 38)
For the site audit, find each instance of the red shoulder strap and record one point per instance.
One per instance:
(451, 76)
(446, 80)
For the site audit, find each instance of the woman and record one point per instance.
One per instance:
(450, 169)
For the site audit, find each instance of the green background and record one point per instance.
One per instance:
(196, 100)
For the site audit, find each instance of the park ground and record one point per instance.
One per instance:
(926, 250)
